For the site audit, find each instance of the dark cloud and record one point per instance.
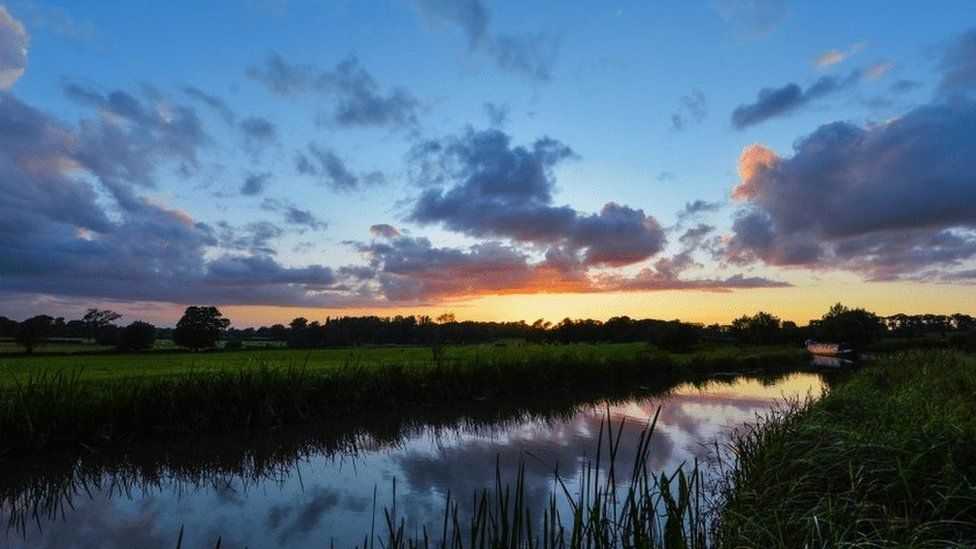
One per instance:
(355, 96)
(384, 230)
(133, 135)
(216, 103)
(529, 55)
(497, 114)
(254, 183)
(258, 128)
(905, 86)
(297, 216)
(753, 19)
(13, 49)
(484, 186)
(73, 225)
(699, 207)
(329, 169)
(694, 108)
(293, 215)
(775, 102)
(471, 16)
(886, 200)
(959, 65)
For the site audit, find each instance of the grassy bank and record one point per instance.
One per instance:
(44, 403)
(888, 458)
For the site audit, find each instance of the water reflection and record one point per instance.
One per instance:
(308, 487)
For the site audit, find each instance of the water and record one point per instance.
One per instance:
(310, 487)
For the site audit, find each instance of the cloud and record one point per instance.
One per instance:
(885, 200)
(959, 65)
(254, 183)
(384, 230)
(13, 49)
(497, 114)
(484, 186)
(750, 20)
(776, 102)
(471, 16)
(74, 226)
(694, 108)
(665, 176)
(413, 270)
(297, 216)
(529, 55)
(835, 57)
(353, 92)
(55, 20)
(294, 215)
(696, 208)
(133, 135)
(212, 101)
(331, 170)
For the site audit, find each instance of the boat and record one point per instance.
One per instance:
(818, 348)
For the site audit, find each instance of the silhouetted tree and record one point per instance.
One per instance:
(199, 328)
(678, 337)
(855, 327)
(34, 331)
(97, 320)
(761, 329)
(138, 336)
(8, 327)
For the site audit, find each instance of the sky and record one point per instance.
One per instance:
(498, 160)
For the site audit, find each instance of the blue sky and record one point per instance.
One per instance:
(643, 93)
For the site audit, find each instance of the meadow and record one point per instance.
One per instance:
(48, 401)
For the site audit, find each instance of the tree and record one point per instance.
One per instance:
(138, 336)
(97, 320)
(199, 328)
(761, 328)
(678, 337)
(34, 331)
(855, 327)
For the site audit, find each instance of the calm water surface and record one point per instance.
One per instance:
(308, 494)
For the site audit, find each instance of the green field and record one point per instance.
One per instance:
(61, 399)
(106, 367)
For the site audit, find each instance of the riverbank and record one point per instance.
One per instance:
(46, 403)
(887, 458)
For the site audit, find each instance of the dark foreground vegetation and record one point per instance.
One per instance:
(47, 408)
(887, 458)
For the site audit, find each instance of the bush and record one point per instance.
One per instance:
(138, 336)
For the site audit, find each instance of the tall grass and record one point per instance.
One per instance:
(887, 458)
(61, 408)
(650, 510)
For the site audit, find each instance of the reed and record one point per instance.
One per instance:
(887, 458)
(646, 510)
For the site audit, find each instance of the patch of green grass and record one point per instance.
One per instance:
(49, 401)
(887, 458)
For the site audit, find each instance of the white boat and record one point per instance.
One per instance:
(828, 349)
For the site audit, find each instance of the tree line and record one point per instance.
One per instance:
(201, 327)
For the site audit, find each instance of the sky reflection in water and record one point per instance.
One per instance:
(331, 497)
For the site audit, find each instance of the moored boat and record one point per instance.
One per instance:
(828, 349)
